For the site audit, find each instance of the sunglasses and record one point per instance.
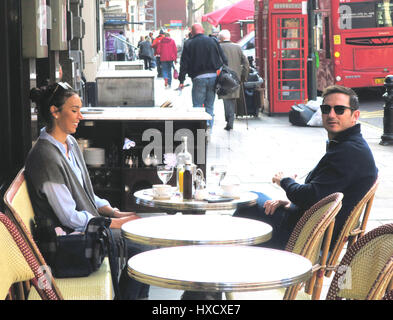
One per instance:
(63, 85)
(339, 110)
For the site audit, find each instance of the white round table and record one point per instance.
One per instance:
(219, 268)
(179, 230)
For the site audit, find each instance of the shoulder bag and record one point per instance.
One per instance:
(80, 254)
(227, 80)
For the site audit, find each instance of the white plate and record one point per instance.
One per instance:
(228, 195)
(162, 198)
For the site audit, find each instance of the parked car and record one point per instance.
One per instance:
(247, 43)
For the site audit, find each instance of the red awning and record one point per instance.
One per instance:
(242, 10)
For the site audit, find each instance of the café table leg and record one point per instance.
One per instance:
(229, 295)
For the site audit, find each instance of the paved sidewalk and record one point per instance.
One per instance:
(259, 147)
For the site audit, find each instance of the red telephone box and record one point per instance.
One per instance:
(283, 39)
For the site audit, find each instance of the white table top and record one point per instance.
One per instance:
(110, 73)
(145, 197)
(178, 230)
(219, 268)
(146, 113)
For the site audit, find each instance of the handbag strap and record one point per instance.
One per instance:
(113, 260)
(101, 225)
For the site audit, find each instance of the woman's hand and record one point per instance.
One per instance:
(121, 214)
(116, 223)
(271, 205)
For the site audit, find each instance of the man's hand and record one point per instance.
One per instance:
(279, 176)
(181, 86)
(116, 223)
(271, 205)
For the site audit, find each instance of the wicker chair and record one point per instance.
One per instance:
(366, 270)
(18, 263)
(354, 227)
(97, 286)
(312, 234)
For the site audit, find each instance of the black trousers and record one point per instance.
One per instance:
(130, 289)
(120, 56)
(159, 69)
(283, 221)
(147, 61)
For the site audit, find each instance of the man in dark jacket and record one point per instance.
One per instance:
(348, 166)
(201, 57)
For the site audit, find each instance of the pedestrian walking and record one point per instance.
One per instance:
(146, 52)
(238, 62)
(201, 57)
(168, 56)
(120, 47)
(157, 56)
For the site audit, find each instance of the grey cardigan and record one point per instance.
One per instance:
(46, 163)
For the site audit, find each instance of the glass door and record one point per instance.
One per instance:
(289, 57)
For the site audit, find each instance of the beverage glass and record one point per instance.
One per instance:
(165, 173)
(218, 171)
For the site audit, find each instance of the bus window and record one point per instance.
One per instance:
(362, 15)
(384, 13)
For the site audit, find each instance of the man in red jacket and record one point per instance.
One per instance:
(155, 46)
(168, 55)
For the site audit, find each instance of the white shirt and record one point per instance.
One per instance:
(60, 198)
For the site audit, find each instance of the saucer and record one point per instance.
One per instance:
(162, 197)
(229, 195)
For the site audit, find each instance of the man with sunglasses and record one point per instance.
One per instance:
(348, 166)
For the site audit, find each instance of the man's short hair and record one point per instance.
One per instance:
(353, 98)
(224, 35)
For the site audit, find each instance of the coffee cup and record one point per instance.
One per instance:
(162, 191)
(201, 194)
(230, 190)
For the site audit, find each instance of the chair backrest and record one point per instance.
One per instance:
(18, 263)
(20, 210)
(306, 238)
(366, 269)
(353, 220)
(17, 200)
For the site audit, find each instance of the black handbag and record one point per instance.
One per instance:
(300, 114)
(79, 255)
(227, 81)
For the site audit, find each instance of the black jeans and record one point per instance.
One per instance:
(130, 289)
(283, 221)
(147, 61)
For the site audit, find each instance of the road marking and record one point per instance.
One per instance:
(371, 126)
(371, 114)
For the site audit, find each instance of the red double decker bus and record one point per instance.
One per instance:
(353, 42)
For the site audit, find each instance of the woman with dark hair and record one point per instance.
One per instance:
(58, 180)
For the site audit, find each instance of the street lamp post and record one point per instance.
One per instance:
(387, 137)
